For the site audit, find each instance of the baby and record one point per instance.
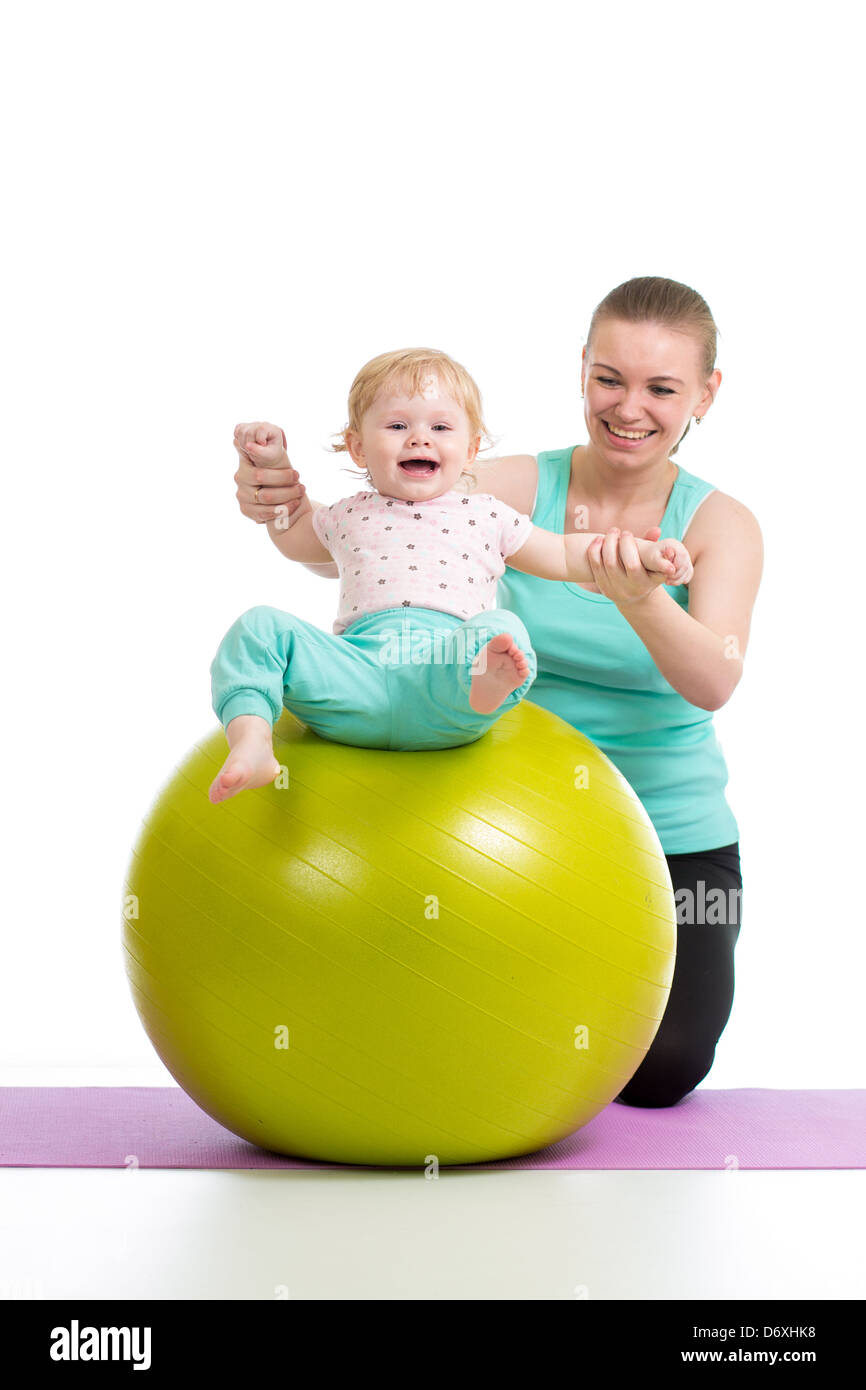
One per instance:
(420, 657)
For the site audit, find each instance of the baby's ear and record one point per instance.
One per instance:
(352, 441)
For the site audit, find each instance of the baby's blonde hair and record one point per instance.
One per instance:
(409, 370)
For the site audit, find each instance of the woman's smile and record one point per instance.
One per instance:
(626, 439)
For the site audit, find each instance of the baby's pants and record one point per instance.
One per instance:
(395, 679)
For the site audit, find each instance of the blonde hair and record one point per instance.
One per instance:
(652, 299)
(410, 369)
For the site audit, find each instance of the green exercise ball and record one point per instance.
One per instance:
(393, 957)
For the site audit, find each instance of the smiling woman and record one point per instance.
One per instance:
(641, 675)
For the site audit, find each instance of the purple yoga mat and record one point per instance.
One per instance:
(160, 1127)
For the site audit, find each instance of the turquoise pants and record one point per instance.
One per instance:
(395, 679)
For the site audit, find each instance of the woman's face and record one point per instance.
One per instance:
(641, 384)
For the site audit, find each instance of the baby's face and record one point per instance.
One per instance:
(414, 446)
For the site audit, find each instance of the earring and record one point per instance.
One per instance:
(698, 419)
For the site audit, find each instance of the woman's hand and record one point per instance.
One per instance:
(268, 486)
(619, 572)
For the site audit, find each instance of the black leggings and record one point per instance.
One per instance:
(708, 894)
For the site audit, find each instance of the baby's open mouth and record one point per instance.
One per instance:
(420, 468)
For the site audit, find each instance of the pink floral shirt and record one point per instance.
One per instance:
(443, 552)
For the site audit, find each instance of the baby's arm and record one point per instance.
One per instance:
(291, 532)
(552, 556)
(297, 540)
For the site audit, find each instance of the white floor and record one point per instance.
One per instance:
(108, 1233)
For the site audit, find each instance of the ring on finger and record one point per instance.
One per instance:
(256, 495)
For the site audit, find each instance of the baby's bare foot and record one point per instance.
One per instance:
(251, 762)
(506, 667)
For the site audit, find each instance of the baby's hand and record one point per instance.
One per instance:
(268, 486)
(669, 558)
(262, 443)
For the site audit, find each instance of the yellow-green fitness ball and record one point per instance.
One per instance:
(462, 954)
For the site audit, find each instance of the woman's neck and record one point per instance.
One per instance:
(620, 488)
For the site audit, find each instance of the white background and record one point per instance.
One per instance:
(218, 212)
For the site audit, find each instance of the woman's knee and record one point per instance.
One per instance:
(665, 1076)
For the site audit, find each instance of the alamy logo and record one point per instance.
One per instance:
(102, 1344)
(715, 908)
(408, 646)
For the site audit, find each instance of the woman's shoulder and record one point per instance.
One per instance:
(512, 479)
(722, 520)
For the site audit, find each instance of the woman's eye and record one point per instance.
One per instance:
(609, 381)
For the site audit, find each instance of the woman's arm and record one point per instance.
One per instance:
(700, 653)
(513, 479)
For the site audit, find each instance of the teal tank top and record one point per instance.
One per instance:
(597, 675)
